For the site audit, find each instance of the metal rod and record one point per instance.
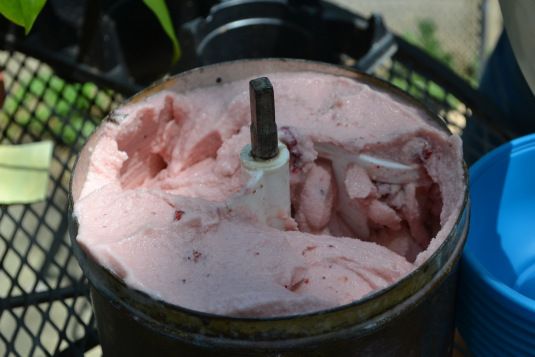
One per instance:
(44, 296)
(264, 141)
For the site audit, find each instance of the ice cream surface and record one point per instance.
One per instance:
(153, 204)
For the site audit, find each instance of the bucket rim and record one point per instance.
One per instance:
(420, 276)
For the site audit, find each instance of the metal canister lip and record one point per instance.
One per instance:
(359, 317)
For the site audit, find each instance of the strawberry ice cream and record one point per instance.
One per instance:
(154, 204)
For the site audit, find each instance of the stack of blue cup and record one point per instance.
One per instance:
(496, 313)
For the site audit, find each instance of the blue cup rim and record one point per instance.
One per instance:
(522, 302)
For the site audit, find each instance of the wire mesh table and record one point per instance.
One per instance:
(44, 303)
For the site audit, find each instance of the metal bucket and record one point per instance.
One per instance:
(413, 317)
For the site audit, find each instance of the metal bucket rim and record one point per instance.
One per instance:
(166, 83)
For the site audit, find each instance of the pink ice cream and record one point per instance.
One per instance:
(153, 206)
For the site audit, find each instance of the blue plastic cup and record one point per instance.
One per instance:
(496, 313)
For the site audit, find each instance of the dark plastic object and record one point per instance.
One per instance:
(423, 329)
(313, 30)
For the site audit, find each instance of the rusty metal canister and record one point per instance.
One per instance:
(413, 317)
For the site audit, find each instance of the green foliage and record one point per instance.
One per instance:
(159, 8)
(426, 38)
(48, 104)
(22, 12)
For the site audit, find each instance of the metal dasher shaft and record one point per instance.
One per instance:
(264, 141)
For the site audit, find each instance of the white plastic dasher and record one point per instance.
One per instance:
(267, 192)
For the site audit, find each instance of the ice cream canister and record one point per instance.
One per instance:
(413, 317)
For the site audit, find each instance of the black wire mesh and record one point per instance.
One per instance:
(44, 306)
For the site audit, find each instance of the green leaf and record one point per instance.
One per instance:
(159, 8)
(22, 12)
